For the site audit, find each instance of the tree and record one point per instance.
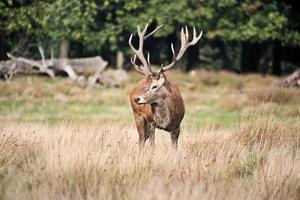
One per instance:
(69, 20)
(59, 21)
(247, 34)
(252, 23)
(121, 18)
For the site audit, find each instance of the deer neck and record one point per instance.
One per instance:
(161, 112)
(161, 115)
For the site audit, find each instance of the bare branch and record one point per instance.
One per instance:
(44, 65)
(41, 65)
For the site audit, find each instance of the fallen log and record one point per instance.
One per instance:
(8, 72)
(291, 81)
(108, 78)
(85, 71)
(51, 67)
(79, 65)
(41, 65)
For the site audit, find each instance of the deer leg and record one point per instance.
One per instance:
(174, 137)
(141, 128)
(151, 132)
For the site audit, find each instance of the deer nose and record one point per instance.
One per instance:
(137, 99)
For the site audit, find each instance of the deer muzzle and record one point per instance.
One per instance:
(140, 100)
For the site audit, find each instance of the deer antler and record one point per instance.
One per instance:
(184, 45)
(145, 68)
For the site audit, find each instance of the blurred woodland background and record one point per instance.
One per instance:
(240, 135)
(260, 36)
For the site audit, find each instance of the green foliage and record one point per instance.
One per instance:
(19, 16)
(107, 24)
(250, 20)
(83, 20)
(69, 19)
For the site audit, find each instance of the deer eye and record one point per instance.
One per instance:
(153, 87)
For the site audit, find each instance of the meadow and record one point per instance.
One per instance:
(240, 139)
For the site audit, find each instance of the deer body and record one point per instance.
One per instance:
(165, 113)
(157, 102)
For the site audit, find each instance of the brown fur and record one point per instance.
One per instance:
(166, 113)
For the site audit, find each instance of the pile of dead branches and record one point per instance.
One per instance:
(86, 71)
(291, 81)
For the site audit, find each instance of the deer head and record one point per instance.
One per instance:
(155, 87)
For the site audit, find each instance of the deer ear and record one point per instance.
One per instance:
(162, 78)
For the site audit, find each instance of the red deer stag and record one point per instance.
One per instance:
(157, 102)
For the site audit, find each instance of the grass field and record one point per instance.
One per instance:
(240, 140)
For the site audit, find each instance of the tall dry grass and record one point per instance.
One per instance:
(100, 160)
(240, 140)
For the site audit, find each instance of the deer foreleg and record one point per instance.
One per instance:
(174, 137)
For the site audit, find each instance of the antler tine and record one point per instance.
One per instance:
(155, 30)
(184, 36)
(195, 38)
(173, 51)
(148, 58)
(144, 30)
(162, 67)
(132, 60)
(186, 33)
(146, 70)
(130, 44)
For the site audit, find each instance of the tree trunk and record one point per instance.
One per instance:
(192, 58)
(226, 60)
(245, 57)
(276, 68)
(120, 59)
(3, 48)
(64, 48)
(266, 56)
(251, 54)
